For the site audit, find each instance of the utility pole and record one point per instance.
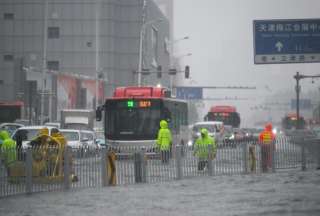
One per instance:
(298, 89)
(44, 59)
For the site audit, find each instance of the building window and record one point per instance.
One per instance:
(8, 16)
(8, 57)
(53, 32)
(89, 44)
(53, 65)
(154, 43)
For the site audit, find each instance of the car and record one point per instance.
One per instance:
(25, 134)
(72, 137)
(10, 127)
(215, 129)
(100, 138)
(80, 138)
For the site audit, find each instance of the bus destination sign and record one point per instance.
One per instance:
(139, 104)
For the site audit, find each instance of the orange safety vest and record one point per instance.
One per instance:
(266, 137)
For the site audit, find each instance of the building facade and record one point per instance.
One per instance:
(85, 40)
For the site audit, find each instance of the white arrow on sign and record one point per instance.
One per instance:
(279, 46)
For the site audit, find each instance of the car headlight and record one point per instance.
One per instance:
(274, 130)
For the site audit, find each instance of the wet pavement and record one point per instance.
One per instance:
(287, 193)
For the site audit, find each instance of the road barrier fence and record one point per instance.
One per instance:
(34, 170)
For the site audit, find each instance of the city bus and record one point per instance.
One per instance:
(227, 114)
(133, 114)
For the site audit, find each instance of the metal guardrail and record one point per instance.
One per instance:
(83, 167)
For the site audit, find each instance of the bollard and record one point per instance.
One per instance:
(66, 168)
(210, 157)
(303, 157)
(245, 157)
(144, 165)
(318, 155)
(273, 164)
(29, 171)
(178, 162)
(139, 167)
(111, 168)
(252, 159)
(104, 167)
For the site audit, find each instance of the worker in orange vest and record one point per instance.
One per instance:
(266, 139)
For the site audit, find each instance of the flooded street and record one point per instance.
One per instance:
(285, 193)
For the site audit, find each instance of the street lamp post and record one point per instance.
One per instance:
(298, 77)
(44, 60)
(97, 63)
(142, 30)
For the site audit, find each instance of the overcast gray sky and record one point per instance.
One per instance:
(221, 43)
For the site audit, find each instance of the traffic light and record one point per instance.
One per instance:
(187, 72)
(159, 71)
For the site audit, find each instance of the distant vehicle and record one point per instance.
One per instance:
(89, 138)
(290, 122)
(79, 138)
(227, 114)
(25, 134)
(227, 133)
(215, 129)
(100, 140)
(10, 111)
(79, 119)
(73, 137)
(133, 114)
(10, 127)
(316, 131)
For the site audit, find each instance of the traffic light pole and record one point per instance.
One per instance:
(220, 87)
(298, 77)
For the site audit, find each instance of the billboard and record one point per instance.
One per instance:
(74, 92)
(66, 92)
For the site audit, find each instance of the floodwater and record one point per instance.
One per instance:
(284, 193)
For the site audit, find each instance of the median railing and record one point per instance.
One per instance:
(36, 170)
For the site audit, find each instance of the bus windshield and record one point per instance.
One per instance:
(231, 118)
(132, 124)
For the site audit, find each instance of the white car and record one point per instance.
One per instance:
(27, 133)
(79, 138)
(215, 129)
(72, 137)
